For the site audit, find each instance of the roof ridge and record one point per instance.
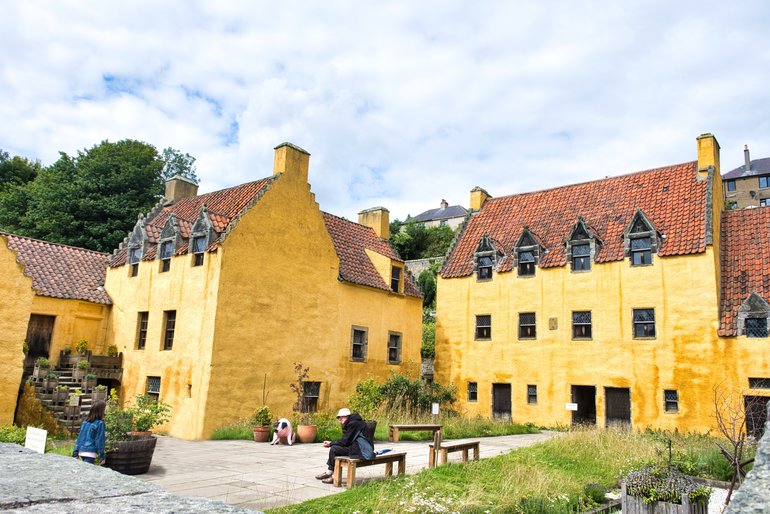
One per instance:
(3, 232)
(605, 179)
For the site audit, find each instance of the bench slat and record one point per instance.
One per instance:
(351, 464)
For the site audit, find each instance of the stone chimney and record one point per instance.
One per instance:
(708, 154)
(378, 219)
(291, 161)
(747, 160)
(444, 204)
(178, 187)
(478, 198)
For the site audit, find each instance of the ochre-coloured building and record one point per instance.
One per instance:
(216, 296)
(52, 298)
(599, 302)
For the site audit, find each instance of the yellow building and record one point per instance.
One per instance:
(599, 302)
(52, 298)
(218, 295)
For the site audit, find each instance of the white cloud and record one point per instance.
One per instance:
(400, 104)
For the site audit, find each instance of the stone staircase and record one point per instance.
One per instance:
(68, 416)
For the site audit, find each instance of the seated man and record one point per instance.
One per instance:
(352, 424)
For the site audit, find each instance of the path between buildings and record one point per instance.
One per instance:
(260, 476)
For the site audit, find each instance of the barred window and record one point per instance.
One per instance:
(581, 325)
(581, 257)
(358, 343)
(473, 392)
(671, 400)
(641, 251)
(527, 325)
(153, 387)
(484, 327)
(644, 323)
(141, 328)
(532, 394)
(759, 383)
(484, 271)
(756, 327)
(310, 393)
(526, 263)
(394, 348)
(199, 246)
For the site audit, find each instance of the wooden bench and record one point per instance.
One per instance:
(450, 448)
(394, 429)
(351, 464)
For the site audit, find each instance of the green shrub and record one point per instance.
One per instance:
(42, 362)
(83, 364)
(262, 416)
(653, 483)
(81, 346)
(367, 398)
(428, 348)
(112, 351)
(12, 434)
(595, 492)
(413, 397)
(240, 430)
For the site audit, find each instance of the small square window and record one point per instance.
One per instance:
(170, 325)
(671, 399)
(141, 327)
(526, 264)
(532, 394)
(394, 348)
(473, 392)
(310, 393)
(730, 185)
(199, 247)
(644, 323)
(358, 344)
(756, 327)
(484, 271)
(484, 327)
(764, 182)
(581, 257)
(641, 251)
(153, 387)
(527, 325)
(395, 279)
(581, 325)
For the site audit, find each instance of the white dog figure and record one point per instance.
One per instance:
(283, 432)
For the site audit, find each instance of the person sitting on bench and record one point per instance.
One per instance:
(353, 432)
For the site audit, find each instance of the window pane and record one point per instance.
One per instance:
(641, 243)
(756, 327)
(485, 261)
(199, 244)
(483, 327)
(153, 385)
(759, 383)
(168, 336)
(763, 182)
(581, 317)
(526, 257)
(135, 255)
(731, 185)
(527, 318)
(142, 338)
(165, 250)
(644, 315)
(472, 391)
(581, 250)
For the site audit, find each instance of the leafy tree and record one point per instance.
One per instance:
(16, 171)
(427, 282)
(415, 241)
(176, 163)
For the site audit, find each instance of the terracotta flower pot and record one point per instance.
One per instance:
(307, 433)
(261, 434)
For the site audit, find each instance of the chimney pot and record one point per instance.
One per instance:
(444, 204)
(747, 159)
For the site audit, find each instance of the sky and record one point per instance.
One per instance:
(400, 104)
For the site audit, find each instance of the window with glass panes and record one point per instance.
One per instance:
(165, 255)
(394, 348)
(473, 391)
(484, 327)
(641, 251)
(531, 394)
(134, 256)
(644, 323)
(199, 247)
(764, 182)
(395, 279)
(311, 391)
(527, 325)
(141, 336)
(526, 263)
(153, 387)
(484, 270)
(759, 383)
(581, 325)
(671, 400)
(581, 257)
(168, 332)
(358, 342)
(756, 327)
(730, 185)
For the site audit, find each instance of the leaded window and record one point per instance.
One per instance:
(759, 383)
(358, 344)
(526, 263)
(532, 394)
(581, 325)
(527, 325)
(671, 400)
(644, 323)
(153, 387)
(484, 327)
(641, 251)
(484, 271)
(473, 392)
(141, 338)
(199, 246)
(166, 248)
(581, 257)
(756, 327)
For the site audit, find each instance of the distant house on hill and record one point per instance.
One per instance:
(748, 185)
(450, 215)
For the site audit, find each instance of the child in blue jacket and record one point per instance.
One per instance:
(91, 439)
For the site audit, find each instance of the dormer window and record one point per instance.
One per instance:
(198, 247)
(581, 257)
(641, 240)
(527, 252)
(526, 264)
(134, 256)
(166, 250)
(582, 246)
(754, 317)
(395, 279)
(485, 257)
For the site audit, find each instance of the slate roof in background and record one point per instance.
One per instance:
(442, 213)
(350, 242)
(756, 167)
(223, 207)
(671, 197)
(61, 271)
(745, 259)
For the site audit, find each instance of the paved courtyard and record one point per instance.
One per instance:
(259, 476)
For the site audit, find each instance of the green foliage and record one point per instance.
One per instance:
(428, 348)
(12, 434)
(654, 483)
(81, 346)
(414, 396)
(25, 347)
(595, 492)
(262, 416)
(240, 430)
(83, 364)
(42, 362)
(52, 376)
(62, 388)
(16, 171)
(427, 282)
(414, 241)
(91, 376)
(176, 163)
(149, 412)
(112, 351)
(298, 388)
(367, 398)
(101, 387)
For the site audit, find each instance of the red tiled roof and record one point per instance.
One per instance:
(350, 242)
(61, 271)
(745, 259)
(223, 206)
(671, 197)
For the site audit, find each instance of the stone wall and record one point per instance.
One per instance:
(754, 495)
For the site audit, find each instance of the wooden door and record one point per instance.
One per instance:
(39, 331)
(501, 401)
(617, 401)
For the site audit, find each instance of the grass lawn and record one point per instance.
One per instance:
(545, 478)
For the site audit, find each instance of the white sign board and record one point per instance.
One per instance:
(435, 408)
(571, 406)
(35, 439)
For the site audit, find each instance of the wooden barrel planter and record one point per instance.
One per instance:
(132, 457)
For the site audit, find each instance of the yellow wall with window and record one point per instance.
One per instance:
(75, 320)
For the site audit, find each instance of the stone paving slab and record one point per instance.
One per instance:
(260, 476)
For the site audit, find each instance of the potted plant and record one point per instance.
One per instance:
(655, 489)
(50, 381)
(60, 393)
(147, 413)
(261, 421)
(112, 351)
(303, 419)
(99, 392)
(74, 398)
(89, 382)
(80, 370)
(81, 347)
(42, 367)
(25, 347)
